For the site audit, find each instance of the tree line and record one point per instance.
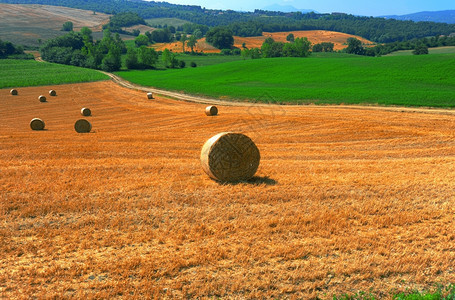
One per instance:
(123, 19)
(80, 49)
(419, 46)
(9, 50)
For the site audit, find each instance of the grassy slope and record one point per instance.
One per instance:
(437, 50)
(416, 80)
(20, 73)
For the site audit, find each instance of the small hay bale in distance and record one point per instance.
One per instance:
(13, 92)
(86, 112)
(149, 95)
(52, 93)
(211, 110)
(37, 124)
(82, 126)
(41, 98)
(230, 157)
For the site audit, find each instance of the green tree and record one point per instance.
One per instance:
(354, 46)
(183, 39)
(166, 56)
(323, 47)
(270, 48)
(302, 47)
(67, 26)
(420, 49)
(141, 40)
(220, 37)
(197, 34)
(147, 57)
(317, 48)
(255, 53)
(245, 53)
(131, 61)
(192, 41)
(290, 38)
(7, 48)
(112, 61)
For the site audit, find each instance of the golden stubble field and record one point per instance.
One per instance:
(314, 36)
(344, 200)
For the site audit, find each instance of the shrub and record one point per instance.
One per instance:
(226, 52)
(420, 49)
(236, 51)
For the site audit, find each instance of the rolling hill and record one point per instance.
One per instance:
(314, 36)
(444, 16)
(26, 24)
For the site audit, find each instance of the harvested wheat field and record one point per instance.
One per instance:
(314, 36)
(344, 200)
(177, 47)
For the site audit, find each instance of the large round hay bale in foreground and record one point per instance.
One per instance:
(86, 112)
(42, 98)
(52, 93)
(211, 110)
(37, 124)
(13, 92)
(230, 157)
(149, 95)
(82, 126)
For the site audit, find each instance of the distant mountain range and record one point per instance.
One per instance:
(286, 8)
(443, 16)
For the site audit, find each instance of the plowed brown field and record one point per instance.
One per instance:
(344, 199)
(314, 36)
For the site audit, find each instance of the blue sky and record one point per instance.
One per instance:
(366, 8)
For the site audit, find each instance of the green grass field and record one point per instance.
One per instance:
(438, 50)
(208, 59)
(19, 73)
(426, 80)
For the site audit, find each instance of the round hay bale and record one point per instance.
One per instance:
(82, 126)
(211, 110)
(230, 157)
(13, 92)
(149, 96)
(52, 93)
(42, 98)
(86, 112)
(37, 124)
